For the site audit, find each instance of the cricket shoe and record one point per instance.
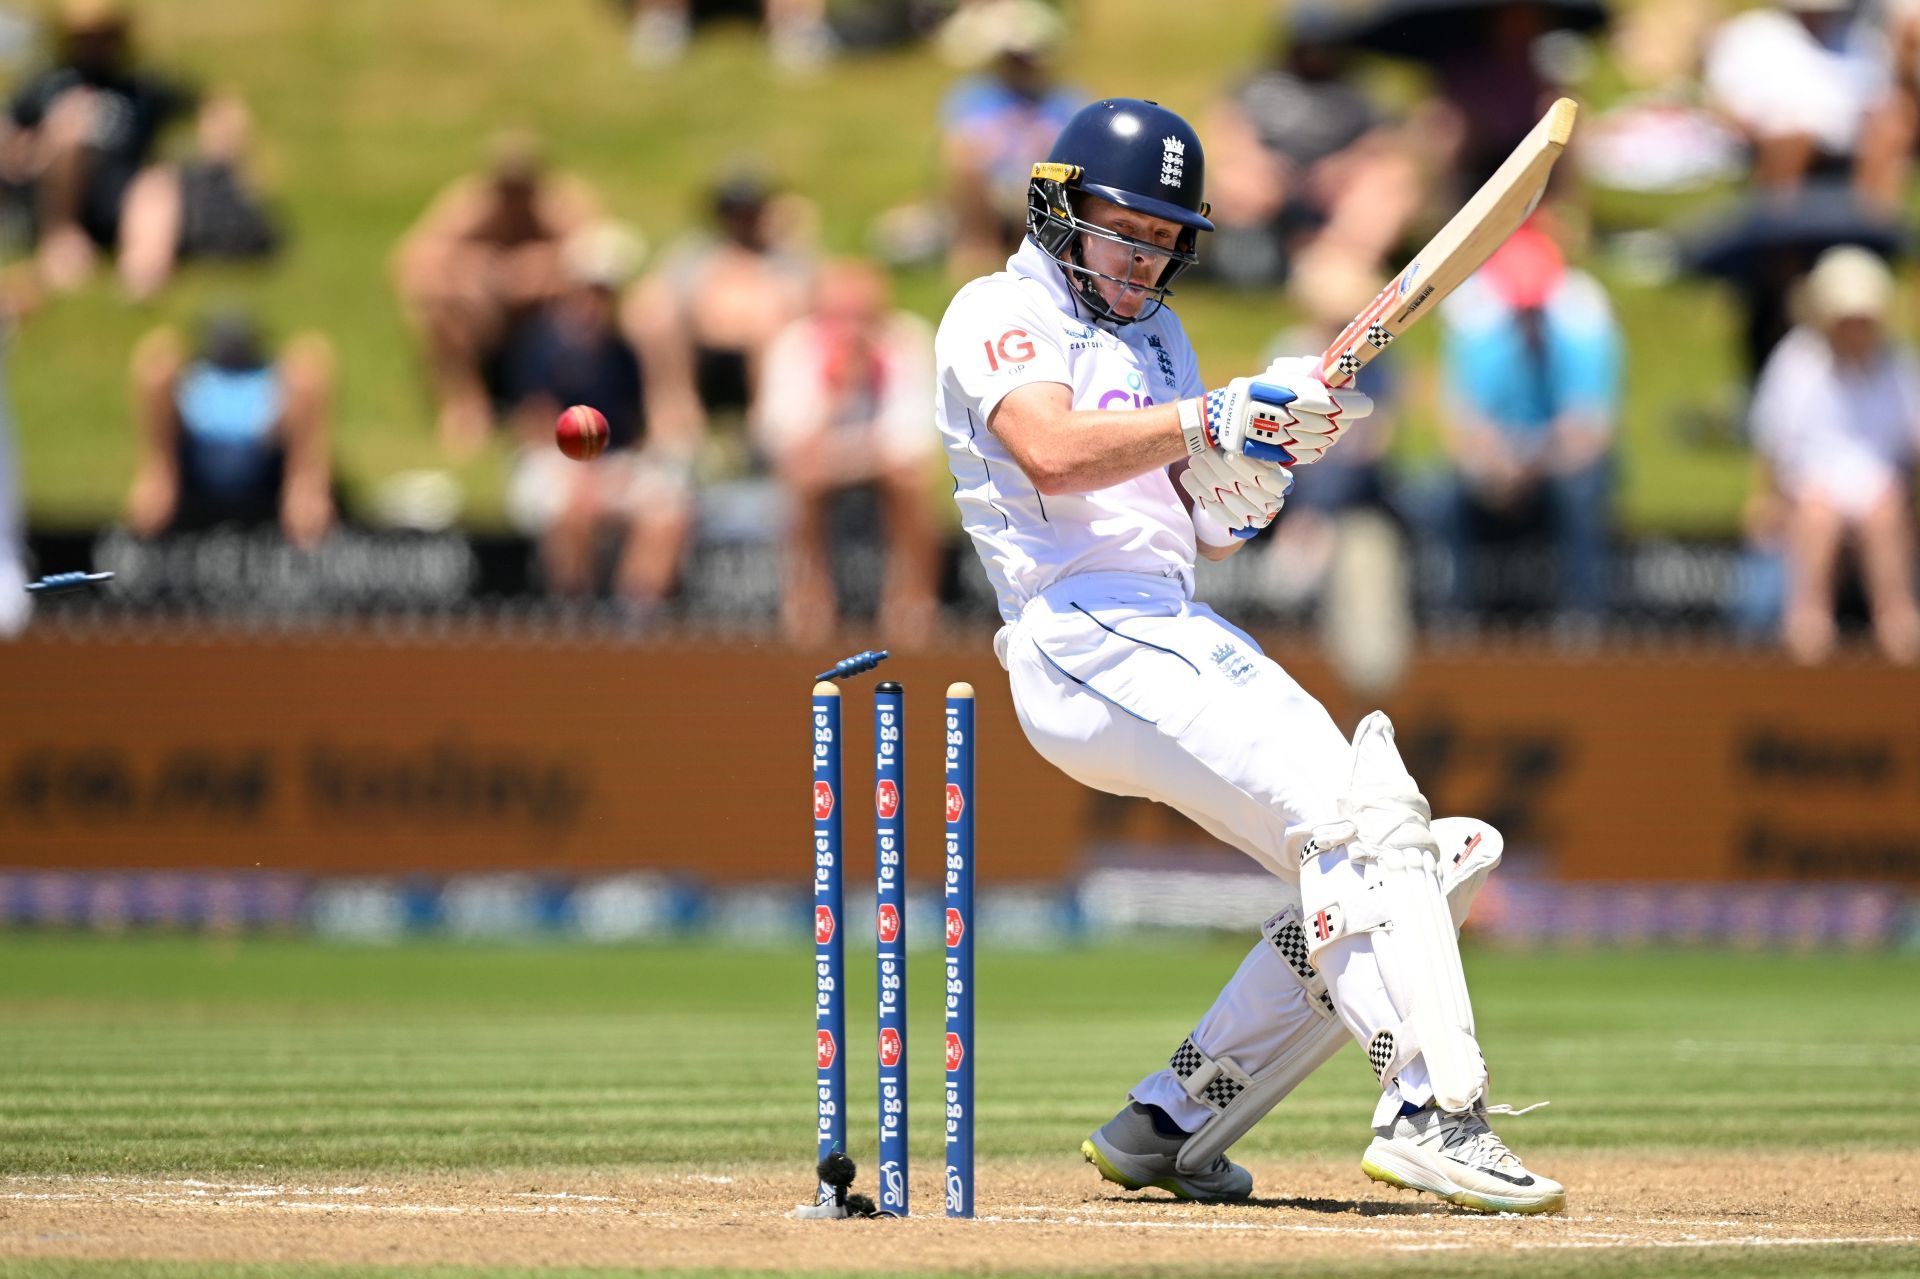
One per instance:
(1134, 1151)
(1459, 1158)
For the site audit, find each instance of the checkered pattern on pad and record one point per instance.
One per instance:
(1380, 1053)
(1290, 939)
(1219, 1091)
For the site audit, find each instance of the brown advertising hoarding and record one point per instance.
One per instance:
(347, 754)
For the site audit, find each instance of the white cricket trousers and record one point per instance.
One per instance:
(1127, 686)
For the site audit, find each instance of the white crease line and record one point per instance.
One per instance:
(567, 1194)
(204, 1187)
(1553, 1221)
(1752, 1241)
(202, 1200)
(455, 1210)
(1585, 1239)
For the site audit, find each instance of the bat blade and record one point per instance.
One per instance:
(1459, 249)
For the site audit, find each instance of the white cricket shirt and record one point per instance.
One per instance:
(1024, 325)
(1846, 436)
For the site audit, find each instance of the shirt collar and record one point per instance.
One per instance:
(1032, 262)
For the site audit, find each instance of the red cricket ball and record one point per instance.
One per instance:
(581, 433)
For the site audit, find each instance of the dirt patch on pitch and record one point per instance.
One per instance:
(1051, 1218)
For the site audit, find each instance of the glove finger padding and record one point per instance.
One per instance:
(1217, 494)
(1243, 495)
(1265, 477)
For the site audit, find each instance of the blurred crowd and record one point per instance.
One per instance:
(757, 387)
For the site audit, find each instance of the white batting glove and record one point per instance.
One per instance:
(1286, 416)
(1235, 493)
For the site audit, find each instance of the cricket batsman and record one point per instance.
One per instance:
(1091, 465)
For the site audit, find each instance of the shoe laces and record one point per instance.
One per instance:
(1473, 1141)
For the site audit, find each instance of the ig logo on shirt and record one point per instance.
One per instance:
(1013, 346)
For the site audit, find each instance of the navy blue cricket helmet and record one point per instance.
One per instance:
(1133, 153)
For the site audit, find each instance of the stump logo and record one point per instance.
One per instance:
(956, 927)
(822, 801)
(956, 1052)
(888, 928)
(824, 1049)
(822, 925)
(956, 802)
(890, 1047)
(886, 800)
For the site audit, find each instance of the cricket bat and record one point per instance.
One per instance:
(1459, 249)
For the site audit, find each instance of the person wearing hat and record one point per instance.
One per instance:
(1836, 430)
(79, 134)
(477, 265)
(574, 352)
(231, 432)
(1531, 359)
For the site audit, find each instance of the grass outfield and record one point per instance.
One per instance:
(366, 107)
(173, 1056)
(284, 1060)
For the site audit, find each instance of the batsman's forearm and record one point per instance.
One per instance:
(1079, 451)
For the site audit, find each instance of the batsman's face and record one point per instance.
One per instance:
(1131, 268)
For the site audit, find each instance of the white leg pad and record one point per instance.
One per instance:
(1238, 1098)
(1394, 848)
(1469, 850)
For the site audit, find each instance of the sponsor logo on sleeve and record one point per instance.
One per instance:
(1010, 351)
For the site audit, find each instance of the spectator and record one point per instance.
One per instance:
(1300, 164)
(230, 434)
(1842, 113)
(199, 208)
(1531, 358)
(1836, 422)
(79, 136)
(703, 317)
(798, 36)
(573, 352)
(845, 404)
(995, 124)
(480, 262)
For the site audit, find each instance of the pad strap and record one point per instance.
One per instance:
(1288, 935)
(1212, 1081)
